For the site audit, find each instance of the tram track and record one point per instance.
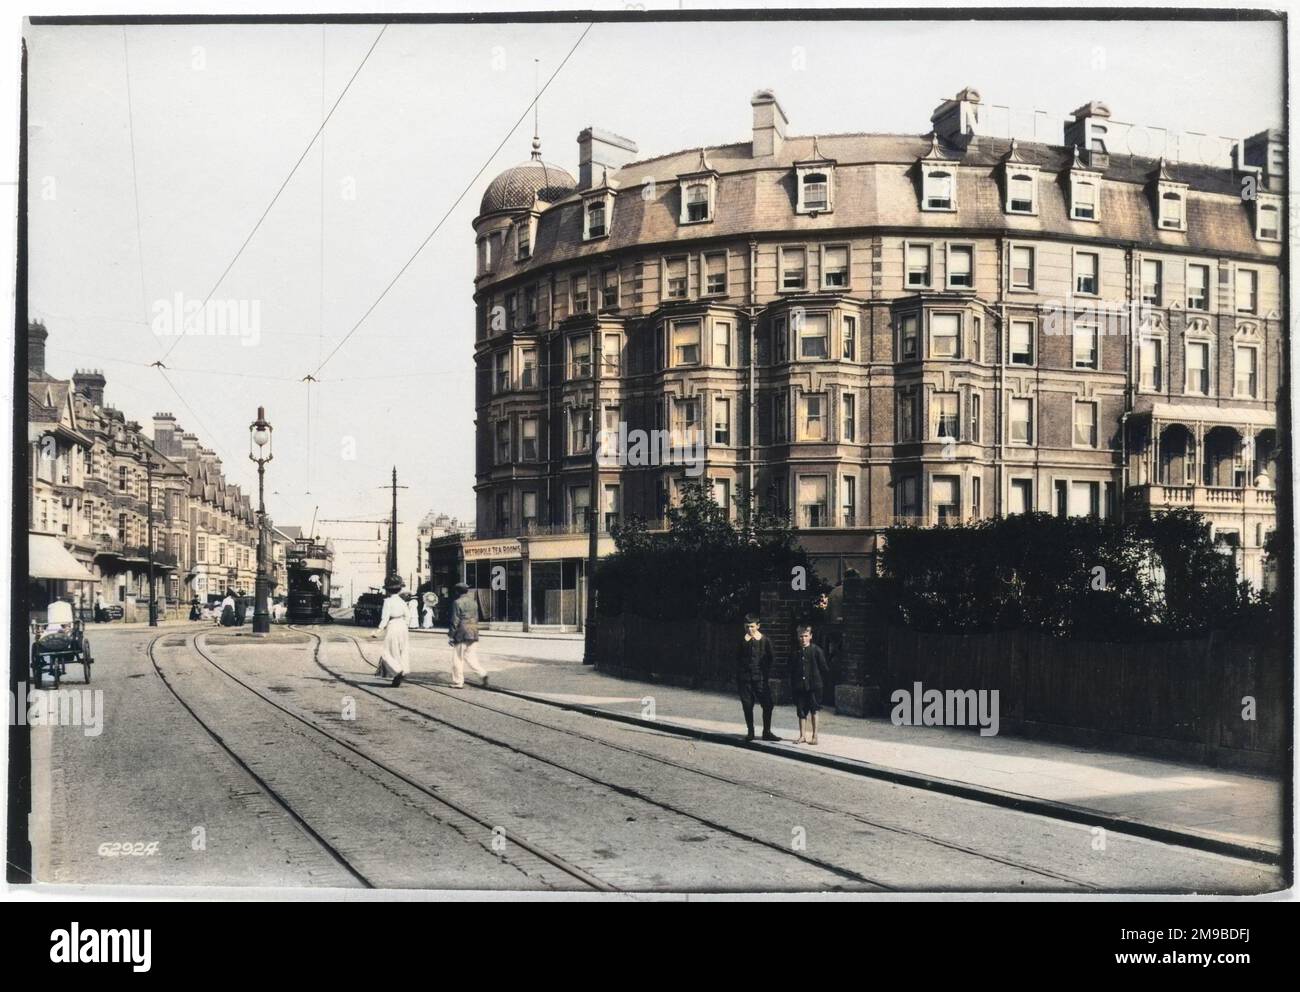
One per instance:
(640, 795)
(492, 830)
(632, 793)
(766, 789)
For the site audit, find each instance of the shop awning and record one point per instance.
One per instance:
(47, 558)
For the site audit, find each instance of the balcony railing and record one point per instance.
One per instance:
(1203, 497)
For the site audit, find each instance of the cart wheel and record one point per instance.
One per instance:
(57, 669)
(36, 673)
(85, 667)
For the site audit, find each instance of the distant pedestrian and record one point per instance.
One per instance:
(101, 613)
(413, 612)
(462, 635)
(430, 601)
(196, 612)
(808, 668)
(395, 660)
(753, 669)
(228, 611)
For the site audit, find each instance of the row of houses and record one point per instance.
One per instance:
(92, 472)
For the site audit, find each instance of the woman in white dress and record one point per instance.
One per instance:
(413, 612)
(395, 660)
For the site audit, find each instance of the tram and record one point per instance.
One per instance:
(309, 563)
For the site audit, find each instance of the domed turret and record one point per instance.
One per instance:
(517, 188)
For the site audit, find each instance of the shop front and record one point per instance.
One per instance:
(531, 583)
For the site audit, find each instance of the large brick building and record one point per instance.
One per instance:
(865, 329)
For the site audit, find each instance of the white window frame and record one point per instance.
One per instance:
(955, 480)
(1162, 342)
(907, 264)
(1237, 348)
(801, 335)
(1011, 420)
(848, 270)
(1238, 272)
(849, 416)
(1096, 273)
(1209, 285)
(606, 203)
(1026, 484)
(1033, 341)
(1266, 202)
(667, 277)
(848, 337)
(1165, 220)
(781, 268)
(1074, 424)
(803, 175)
(803, 421)
(726, 272)
(721, 339)
(1207, 343)
(673, 325)
(825, 503)
(929, 173)
(685, 185)
(1016, 173)
(959, 246)
(576, 368)
(1158, 299)
(721, 424)
(1096, 344)
(1012, 286)
(1076, 182)
(932, 351)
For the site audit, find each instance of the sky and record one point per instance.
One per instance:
(136, 199)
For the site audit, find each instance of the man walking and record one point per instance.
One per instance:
(753, 666)
(808, 668)
(462, 635)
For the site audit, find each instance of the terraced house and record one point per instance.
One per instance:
(92, 470)
(864, 329)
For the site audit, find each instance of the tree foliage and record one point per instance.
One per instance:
(1071, 577)
(703, 566)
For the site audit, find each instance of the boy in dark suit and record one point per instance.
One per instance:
(808, 668)
(753, 667)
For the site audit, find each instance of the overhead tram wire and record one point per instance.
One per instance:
(276, 197)
(135, 180)
(455, 203)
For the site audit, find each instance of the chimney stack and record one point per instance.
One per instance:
(954, 121)
(599, 150)
(36, 335)
(1089, 130)
(90, 383)
(165, 435)
(1265, 151)
(769, 125)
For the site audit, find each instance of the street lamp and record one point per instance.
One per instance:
(259, 450)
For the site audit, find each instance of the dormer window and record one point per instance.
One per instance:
(698, 193)
(1268, 218)
(598, 210)
(697, 203)
(595, 220)
(1171, 211)
(815, 184)
(1083, 199)
(1170, 200)
(524, 240)
(939, 191)
(815, 192)
(1020, 193)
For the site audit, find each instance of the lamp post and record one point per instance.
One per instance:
(259, 450)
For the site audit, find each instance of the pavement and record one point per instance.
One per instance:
(1214, 809)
